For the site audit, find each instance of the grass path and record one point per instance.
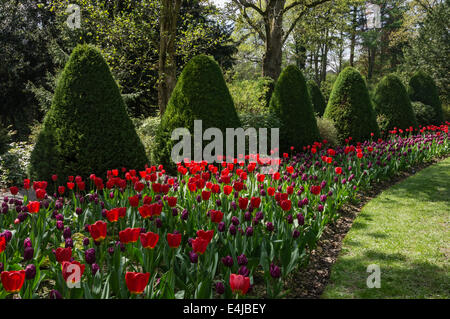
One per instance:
(405, 230)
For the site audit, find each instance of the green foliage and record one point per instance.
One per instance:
(446, 111)
(146, 129)
(327, 86)
(87, 129)
(14, 164)
(200, 94)
(350, 107)
(428, 50)
(5, 139)
(251, 96)
(327, 131)
(292, 104)
(391, 99)
(317, 98)
(425, 114)
(423, 89)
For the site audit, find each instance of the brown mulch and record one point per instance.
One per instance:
(310, 282)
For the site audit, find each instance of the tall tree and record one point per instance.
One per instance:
(167, 70)
(271, 31)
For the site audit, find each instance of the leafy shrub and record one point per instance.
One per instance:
(391, 99)
(425, 114)
(200, 94)
(423, 89)
(317, 98)
(350, 107)
(87, 129)
(5, 139)
(14, 164)
(251, 96)
(327, 86)
(292, 105)
(146, 130)
(327, 131)
(446, 111)
(383, 124)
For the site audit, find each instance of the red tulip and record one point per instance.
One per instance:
(316, 190)
(138, 187)
(331, 152)
(81, 186)
(40, 193)
(216, 216)
(149, 240)
(243, 203)
(63, 254)
(98, 230)
(14, 190)
(26, 183)
(122, 211)
(172, 201)
(129, 235)
(227, 189)
(199, 245)
(112, 215)
(134, 201)
(33, 207)
(136, 282)
(255, 201)
(239, 284)
(61, 190)
(206, 195)
(145, 211)
(206, 235)
(2, 244)
(174, 240)
(54, 178)
(338, 170)
(270, 191)
(70, 268)
(215, 188)
(70, 185)
(286, 205)
(260, 177)
(13, 280)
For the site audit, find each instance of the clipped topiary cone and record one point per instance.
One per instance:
(200, 94)
(422, 88)
(87, 129)
(292, 104)
(350, 108)
(392, 101)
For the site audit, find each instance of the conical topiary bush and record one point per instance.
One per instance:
(350, 108)
(317, 98)
(392, 101)
(291, 103)
(200, 94)
(87, 129)
(423, 89)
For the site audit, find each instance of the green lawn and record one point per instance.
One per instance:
(405, 230)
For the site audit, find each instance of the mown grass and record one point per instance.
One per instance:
(405, 231)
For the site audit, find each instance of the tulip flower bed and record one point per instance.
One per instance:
(209, 232)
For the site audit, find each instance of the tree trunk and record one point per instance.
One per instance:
(353, 37)
(273, 22)
(167, 72)
(371, 60)
(324, 60)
